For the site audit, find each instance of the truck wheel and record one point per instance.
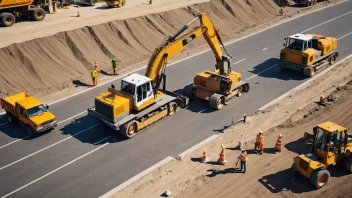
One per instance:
(129, 129)
(348, 165)
(37, 14)
(7, 19)
(189, 91)
(320, 178)
(332, 60)
(10, 118)
(216, 101)
(30, 131)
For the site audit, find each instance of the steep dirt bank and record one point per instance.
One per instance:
(46, 65)
(268, 175)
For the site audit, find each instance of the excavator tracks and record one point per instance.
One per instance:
(136, 126)
(217, 101)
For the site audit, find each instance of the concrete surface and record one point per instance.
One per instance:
(104, 166)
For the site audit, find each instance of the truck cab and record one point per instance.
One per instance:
(29, 113)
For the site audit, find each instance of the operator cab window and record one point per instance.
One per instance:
(128, 88)
(142, 91)
(295, 44)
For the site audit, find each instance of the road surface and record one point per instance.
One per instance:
(83, 159)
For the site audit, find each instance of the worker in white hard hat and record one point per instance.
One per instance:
(256, 144)
(243, 158)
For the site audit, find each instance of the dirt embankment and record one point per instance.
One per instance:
(268, 175)
(46, 65)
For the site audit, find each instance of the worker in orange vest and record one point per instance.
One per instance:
(94, 75)
(96, 66)
(260, 140)
(256, 142)
(243, 158)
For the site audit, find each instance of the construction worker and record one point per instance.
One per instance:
(243, 158)
(94, 75)
(113, 64)
(256, 144)
(261, 142)
(322, 100)
(96, 66)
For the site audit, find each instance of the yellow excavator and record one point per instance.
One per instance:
(331, 144)
(307, 53)
(219, 86)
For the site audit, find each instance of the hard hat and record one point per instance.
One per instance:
(96, 62)
(260, 131)
(243, 149)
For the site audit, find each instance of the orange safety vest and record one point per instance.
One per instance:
(260, 138)
(243, 157)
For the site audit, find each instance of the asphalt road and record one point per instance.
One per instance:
(83, 159)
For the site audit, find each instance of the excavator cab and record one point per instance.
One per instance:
(331, 144)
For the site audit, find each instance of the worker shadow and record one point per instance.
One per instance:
(79, 83)
(87, 130)
(106, 73)
(269, 69)
(222, 129)
(286, 180)
(215, 172)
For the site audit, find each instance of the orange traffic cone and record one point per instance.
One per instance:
(278, 144)
(78, 14)
(205, 158)
(222, 155)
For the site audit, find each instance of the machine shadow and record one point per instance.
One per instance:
(263, 70)
(197, 105)
(16, 131)
(87, 130)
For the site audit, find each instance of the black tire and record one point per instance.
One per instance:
(189, 91)
(320, 178)
(37, 14)
(30, 131)
(7, 19)
(348, 165)
(332, 60)
(129, 130)
(172, 108)
(10, 117)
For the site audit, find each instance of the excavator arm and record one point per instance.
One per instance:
(156, 66)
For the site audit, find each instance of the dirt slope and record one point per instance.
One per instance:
(268, 175)
(46, 65)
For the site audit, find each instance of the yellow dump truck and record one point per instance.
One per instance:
(12, 9)
(28, 112)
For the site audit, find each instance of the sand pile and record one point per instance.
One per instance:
(46, 65)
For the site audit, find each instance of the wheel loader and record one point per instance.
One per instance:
(219, 86)
(307, 53)
(332, 144)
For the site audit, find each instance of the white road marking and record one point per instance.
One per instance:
(3, 123)
(344, 36)
(327, 21)
(261, 72)
(13, 142)
(239, 61)
(28, 136)
(265, 49)
(202, 110)
(71, 117)
(234, 41)
(63, 166)
(47, 147)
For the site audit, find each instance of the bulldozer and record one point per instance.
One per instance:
(331, 144)
(219, 86)
(308, 53)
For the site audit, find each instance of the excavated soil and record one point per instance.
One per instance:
(44, 66)
(268, 175)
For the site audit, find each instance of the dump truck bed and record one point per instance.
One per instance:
(15, 98)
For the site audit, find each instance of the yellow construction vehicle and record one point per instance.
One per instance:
(117, 3)
(219, 86)
(11, 9)
(331, 144)
(28, 112)
(308, 53)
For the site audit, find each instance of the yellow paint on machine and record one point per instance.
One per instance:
(153, 119)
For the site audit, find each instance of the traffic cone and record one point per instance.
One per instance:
(78, 14)
(278, 144)
(205, 158)
(222, 155)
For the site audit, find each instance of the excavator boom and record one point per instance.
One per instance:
(173, 45)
